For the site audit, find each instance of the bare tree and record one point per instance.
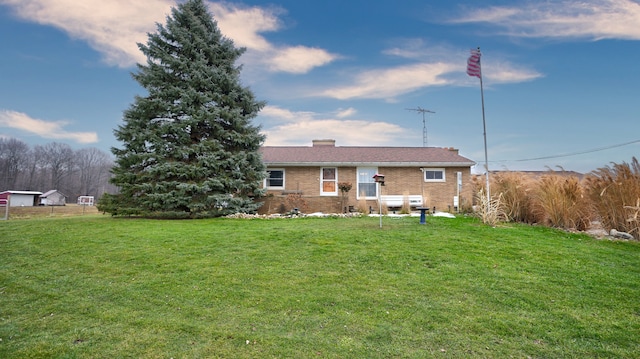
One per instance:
(13, 154)
(93, 171)
(35, 175)
(57, 160)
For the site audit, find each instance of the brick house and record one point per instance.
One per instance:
(307, 177)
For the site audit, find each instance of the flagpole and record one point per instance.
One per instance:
(484, 129)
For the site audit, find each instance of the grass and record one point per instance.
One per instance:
(69, 210)
(99, 287)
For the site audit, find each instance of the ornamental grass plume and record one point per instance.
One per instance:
(490, 210)
(615, 193)
(560, 202)
(516, 189)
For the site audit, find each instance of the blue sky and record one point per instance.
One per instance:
(561, 78)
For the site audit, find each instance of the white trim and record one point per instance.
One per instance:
(358, 169)
(371, 164)
(23, 192)
(429, 169)
(335, 181)
(275, 187)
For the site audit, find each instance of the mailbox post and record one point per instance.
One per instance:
(379, 179)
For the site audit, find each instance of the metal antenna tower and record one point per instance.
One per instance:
(424, 122)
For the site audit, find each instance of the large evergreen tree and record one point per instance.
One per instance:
(190, 148)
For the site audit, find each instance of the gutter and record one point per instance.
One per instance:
(370, 164)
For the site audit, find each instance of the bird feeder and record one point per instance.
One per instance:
(379, 178)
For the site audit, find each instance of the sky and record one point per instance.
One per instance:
(560, 78)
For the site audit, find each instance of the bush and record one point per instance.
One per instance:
(560, 202)
(555, 200)
(610, 194)
(516, 200)
(615, 192)
(406, 204)
(490, 210)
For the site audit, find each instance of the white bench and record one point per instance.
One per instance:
(398, 201)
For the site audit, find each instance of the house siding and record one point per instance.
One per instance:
(22, 200)
(305, 182)
(53, 199)
(302, 189)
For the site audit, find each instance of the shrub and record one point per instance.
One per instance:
(406, 204)
(560, 201)
(615, 192)
(490, 210)
(362, 204)
(634, 217)
(515, 189)
(344, 188)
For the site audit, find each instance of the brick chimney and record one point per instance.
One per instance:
(326, 142)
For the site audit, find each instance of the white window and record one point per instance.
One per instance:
(434, 175)
(367, 187)
(329, 181)
(275, 179)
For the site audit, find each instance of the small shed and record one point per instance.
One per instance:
(19, 198)
(53, 198)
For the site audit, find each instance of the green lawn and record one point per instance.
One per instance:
(99, 287)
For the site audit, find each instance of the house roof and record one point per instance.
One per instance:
(23, 192)
(49, 193)
(324, 153)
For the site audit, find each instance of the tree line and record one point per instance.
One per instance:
(54, 166)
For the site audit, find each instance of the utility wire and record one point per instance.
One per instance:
(573, 153)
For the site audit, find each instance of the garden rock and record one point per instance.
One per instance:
(622, 235)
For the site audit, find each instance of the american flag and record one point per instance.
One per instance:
(473, 64)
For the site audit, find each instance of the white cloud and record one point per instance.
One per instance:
(502, 72)
(298, 59)
(346, 133)
(244, 25)
(279, 114)
(422, 50)
(342, 113)
(596, 19)
(389, 83)
(441, 65)
(45, 129)
(115, 27)
(495, 68)
(300, 128)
